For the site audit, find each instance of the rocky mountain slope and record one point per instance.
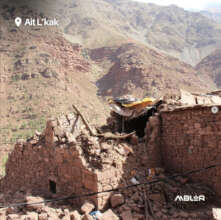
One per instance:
(210, 67)
(42, 74)
(186, 35)
(142, 71)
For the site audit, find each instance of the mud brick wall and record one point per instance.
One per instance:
(190, 139)
(32, 168)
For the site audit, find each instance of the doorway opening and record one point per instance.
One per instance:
(52, 186)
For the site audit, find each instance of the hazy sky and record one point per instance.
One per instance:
(187, 4)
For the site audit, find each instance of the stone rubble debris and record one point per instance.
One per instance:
(87, 207)
(127, 204)
(89, 164)
(116, 200)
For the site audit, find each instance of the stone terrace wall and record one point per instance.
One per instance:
(191, 139)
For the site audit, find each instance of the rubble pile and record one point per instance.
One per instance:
(45, 212)
(189, 99)
(125, 204)
(66, 159)
(161, 202)
(70, 159)
(105, 154)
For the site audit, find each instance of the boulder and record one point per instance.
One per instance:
(87, 217)
(126, 215)
(75, 215)
(34, 207)
(53, 217)
(13, 217)
(66, 212)
(109, 215)
(157, 197)
(66, 218)
(43, 216)
(87, 207)
(31, 216)
(12, 210)
(116, 200)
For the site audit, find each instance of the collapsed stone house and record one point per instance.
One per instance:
(66, 160)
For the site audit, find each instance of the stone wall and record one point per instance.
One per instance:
(64, 160)
(191, 139)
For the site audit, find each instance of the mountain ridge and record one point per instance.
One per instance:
(186, 35)
(141, 71)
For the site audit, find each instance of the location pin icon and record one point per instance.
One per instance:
(18, 21)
